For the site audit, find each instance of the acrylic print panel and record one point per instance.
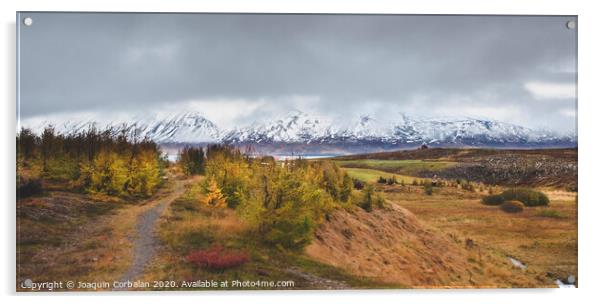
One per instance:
(283, 151)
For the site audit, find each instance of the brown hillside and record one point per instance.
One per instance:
(391, 245)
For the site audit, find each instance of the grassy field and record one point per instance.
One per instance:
(402, 167)
(372, 175)
(543, 238)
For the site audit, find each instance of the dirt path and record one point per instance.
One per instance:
(316, 282)
(145, 242)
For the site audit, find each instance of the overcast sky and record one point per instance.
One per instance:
(238, 68)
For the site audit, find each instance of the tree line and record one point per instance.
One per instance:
(91, 161)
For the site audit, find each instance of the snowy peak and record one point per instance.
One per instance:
(182, 128)
(188, 127)
(298, 127)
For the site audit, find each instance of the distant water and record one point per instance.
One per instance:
(172, 157)
(305, 156)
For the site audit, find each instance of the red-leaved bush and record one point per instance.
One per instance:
(217, 258)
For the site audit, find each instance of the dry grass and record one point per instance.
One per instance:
(83, 246)
(547, 245)
(392, 245)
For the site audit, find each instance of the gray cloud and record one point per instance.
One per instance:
(423, 65)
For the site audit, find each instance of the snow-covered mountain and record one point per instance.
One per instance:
(300, 128)
(188, 127)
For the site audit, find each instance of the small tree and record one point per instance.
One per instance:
(428, 189)
(192, 160)
(214, 197)
(346, 188)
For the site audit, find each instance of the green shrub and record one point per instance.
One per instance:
(380, 200)
(528, 197)
(493, 200)
(371, 198)
(551, 214)
(512, 206)
(358, 184)
(27, 188)
(382, 180)
(428, 189)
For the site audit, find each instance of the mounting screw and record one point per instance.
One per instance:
(571, 24)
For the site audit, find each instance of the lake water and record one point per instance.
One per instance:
(306, 156)
(173, 157)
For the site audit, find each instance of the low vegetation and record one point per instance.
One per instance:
(529, 197)
(372, 175)
(551, 214)
(192, 233)
(217, 258)
(402, 167)
(512, 206)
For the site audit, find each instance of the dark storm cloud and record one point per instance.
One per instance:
(508, 68)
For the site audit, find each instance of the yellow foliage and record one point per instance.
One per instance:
(214, 197)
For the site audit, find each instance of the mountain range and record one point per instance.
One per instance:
(302, 129)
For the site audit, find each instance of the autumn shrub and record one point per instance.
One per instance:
(527, 196)
(217, 258)
(213, 195)
(512, 206)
